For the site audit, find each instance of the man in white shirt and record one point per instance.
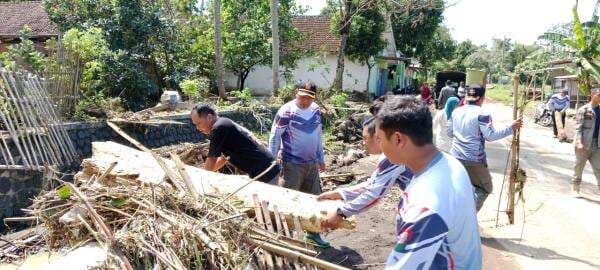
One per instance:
(436, 222)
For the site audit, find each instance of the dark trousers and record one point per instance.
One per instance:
(563, 115)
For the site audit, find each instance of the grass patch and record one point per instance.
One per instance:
(500, 93)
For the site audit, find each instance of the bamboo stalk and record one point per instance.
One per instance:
(184, 175)
(294, 255)
(263, 224)
(267, 214)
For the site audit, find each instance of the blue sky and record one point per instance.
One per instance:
(482, 20)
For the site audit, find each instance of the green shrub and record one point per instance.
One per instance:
(196, 90)
(245, 96)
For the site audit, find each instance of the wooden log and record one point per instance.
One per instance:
(145, 168)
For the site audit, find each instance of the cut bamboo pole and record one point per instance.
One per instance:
(267, 215)
(294, 255)
(261, 221)
(184, 175)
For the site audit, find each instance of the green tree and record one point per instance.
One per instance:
(157, 43)
(365, 38)
(462, 51)
(584, 44)
(24, 54)
(415, 27)
(247, 35)
(482, 58)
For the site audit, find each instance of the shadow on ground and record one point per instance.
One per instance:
(343, 256)
(512, 245)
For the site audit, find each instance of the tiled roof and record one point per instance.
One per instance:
(14, 15)
(317, 31)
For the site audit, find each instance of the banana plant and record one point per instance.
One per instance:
(584, 44)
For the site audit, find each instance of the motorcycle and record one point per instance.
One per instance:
(543, 115)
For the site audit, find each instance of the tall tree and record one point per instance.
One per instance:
(247, 35)
(415, 23)
(344, 30)
(218, 46)
(275, 45)
(365, 38)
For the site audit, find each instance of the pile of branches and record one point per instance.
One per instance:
(143, 227)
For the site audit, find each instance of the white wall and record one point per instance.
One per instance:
(323, 71)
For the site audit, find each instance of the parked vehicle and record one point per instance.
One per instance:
(543, 115)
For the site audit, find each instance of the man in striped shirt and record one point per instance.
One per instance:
(559, 103)
(436, 221)
(361, 197)
(296, 138)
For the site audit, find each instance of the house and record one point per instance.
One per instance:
(15, 15)
(319, 64)
(563, 79)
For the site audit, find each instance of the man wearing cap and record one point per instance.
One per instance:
(587, 132)
(559, 103)
(446, 93)
(470, 127)
(296, 138)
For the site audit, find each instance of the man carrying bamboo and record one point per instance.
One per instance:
(230, 142)
(587, 140)
(470, 127)
(297, 139)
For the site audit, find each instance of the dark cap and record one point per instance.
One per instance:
(475, 92)
(307, 89)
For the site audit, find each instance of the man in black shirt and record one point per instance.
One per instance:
(232, 142)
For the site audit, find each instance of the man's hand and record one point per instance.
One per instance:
(332, 220)
(517, 124)
(322, 167)
(329, 195)
(579, 149)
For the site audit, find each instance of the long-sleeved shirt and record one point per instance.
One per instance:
(298, 134)
(559, 103)
(470, 127)
(436, 221)
(360, 197)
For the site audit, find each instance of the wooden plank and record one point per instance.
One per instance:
(267, 216)
(261, 221)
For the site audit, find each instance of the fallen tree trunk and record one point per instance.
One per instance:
(141, 166)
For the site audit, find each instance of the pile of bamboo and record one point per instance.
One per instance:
(147, 212)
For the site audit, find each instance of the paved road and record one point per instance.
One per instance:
(553, 230)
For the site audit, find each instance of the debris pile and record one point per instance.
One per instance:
(144, 212)
(348, 130)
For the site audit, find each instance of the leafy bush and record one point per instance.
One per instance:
(338, 99)
(25, 53)
(245, 96)
(195, 90)
(95, 106)
(286, 93)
